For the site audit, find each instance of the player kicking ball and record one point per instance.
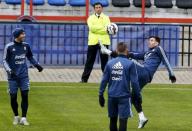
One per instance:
(119, 73)
(14, 61)
(151, 61)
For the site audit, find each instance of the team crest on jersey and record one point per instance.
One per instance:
(13, 49)
(25, 48)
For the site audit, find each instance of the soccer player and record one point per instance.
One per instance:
(14, 61)
(119, 74)
(97, 24)
(151, 61)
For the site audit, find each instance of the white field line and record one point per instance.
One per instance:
(89, 87)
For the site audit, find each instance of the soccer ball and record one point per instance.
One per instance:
(112, 29)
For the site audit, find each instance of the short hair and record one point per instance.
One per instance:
(121, 47)
(97, 3)
(17, 32)
(156, 38)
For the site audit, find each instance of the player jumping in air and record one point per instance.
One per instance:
(119, 74)
(14, 61)
(151, 61)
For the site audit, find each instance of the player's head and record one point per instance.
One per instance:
(19, 34)
(153, 41)
(98, 7)
(122, 48)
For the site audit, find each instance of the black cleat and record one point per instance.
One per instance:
(82, 81)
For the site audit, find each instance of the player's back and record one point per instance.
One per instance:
(119, 81)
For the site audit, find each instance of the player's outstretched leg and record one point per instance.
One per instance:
(108, 52)
(104, 49)
(14, 106)
(24, 107)
(104, 60)
(113, 124)
(122, 124)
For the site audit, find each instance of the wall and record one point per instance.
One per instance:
(66, 44)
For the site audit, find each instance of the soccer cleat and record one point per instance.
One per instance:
(24, 122)
(104, 50)
(16, 120)
(142, 123)
(83, 81)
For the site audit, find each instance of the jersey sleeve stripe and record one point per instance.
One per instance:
(166, 60)
(5, 64)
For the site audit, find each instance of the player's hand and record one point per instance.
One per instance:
(39, 67)
(101, 100)
(12, 74)
(108, 30)
(173, 79)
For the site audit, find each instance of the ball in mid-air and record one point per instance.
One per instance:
(112, 29)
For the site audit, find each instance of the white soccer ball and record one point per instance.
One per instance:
(112, 29)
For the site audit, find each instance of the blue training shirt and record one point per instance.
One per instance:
(152, 59)
(119, 73)
(14, 58)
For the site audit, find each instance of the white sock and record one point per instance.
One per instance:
(23, 118)
(141, 115)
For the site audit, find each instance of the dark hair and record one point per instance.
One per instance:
(156, 38)
(97, 3)
(17, 32)
(121, 47)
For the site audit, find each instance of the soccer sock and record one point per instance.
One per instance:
(122, 124)
(23, 118)
(137, 105)
(141, 115)
(14, 104)
(24, 102)
(113, 124)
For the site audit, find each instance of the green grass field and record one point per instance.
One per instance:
(74, 107)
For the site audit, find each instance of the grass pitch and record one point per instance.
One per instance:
(74, 107)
